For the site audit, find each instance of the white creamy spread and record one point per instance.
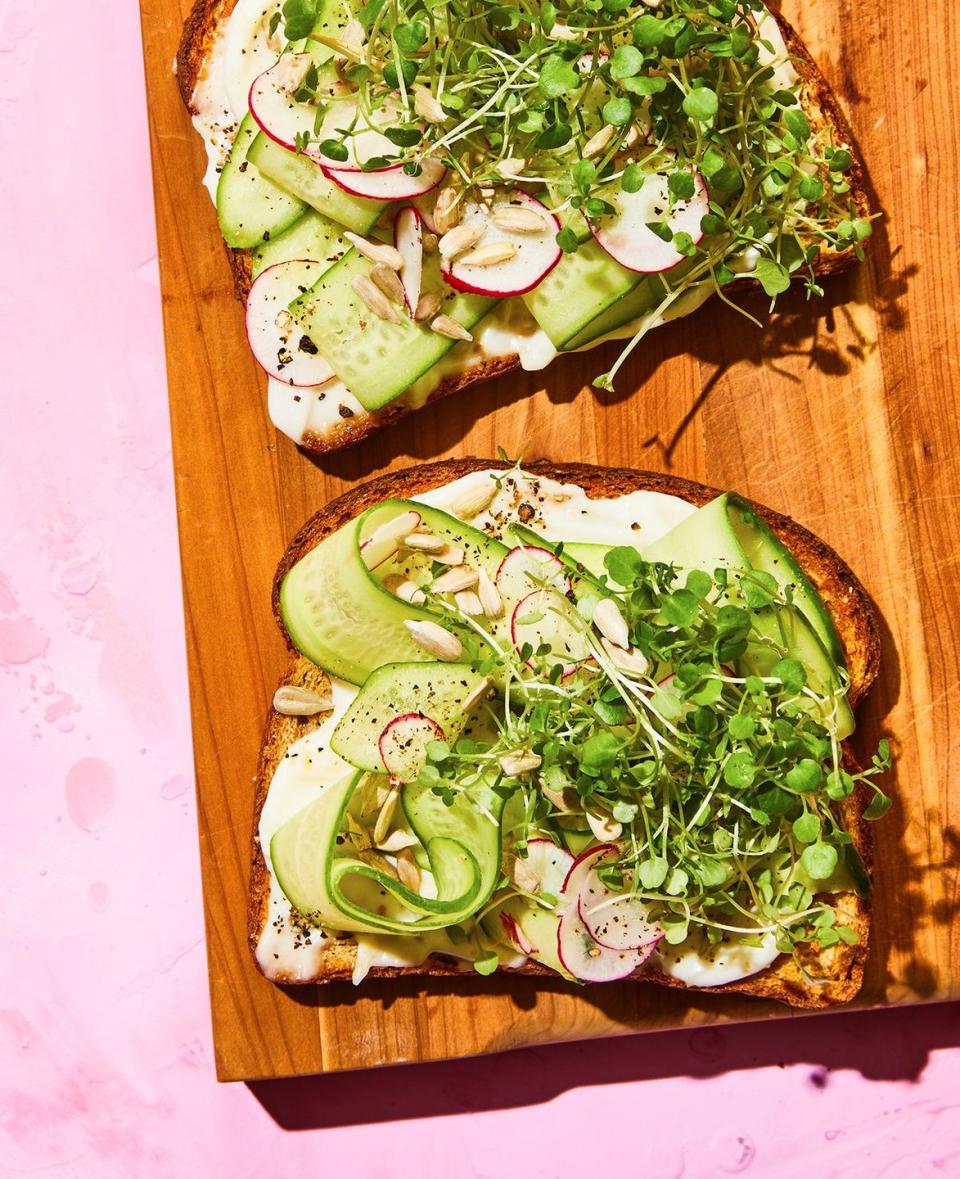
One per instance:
(242, 50)
(292, 949)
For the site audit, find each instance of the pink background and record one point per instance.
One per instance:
(105, 1055)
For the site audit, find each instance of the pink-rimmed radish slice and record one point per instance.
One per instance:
(275, 110)
(542, 619)
(528, 567)
(408, 240)
(615, 921)
(624, 234)
(277, 341)
(384, 542)
(403, 744)
(579, 952)
(549, 863)
(387, 184)
(535, 251)
(515, 934)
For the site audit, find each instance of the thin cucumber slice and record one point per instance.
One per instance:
(579, 288)
(337, 612)
(433, 690)
(378, 360)
(298, 175)
(312, 236)
(325, 882)
(251, 209)
(766, 551)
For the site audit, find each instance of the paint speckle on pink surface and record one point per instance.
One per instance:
(99, 894)
(79, 577)
(90, 791)
(21, 641)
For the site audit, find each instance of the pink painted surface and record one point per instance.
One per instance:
(105, 1059)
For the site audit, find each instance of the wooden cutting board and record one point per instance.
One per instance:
(842, 413)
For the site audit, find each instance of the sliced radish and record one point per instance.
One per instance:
(384, 542)
(578, 950)
(387, 184)
(408, 239)
(403, 744)
(277, 112)
(543, 619)
(616, 921)
(535, 251)
(528, 567)
(625, 236)
(511, 927)
(278, 342)
(549, 863)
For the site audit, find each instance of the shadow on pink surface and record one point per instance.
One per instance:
(888, 1045)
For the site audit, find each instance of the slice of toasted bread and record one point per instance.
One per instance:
(206, 23)
(853, 614)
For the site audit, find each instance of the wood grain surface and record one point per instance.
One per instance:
(842, 413)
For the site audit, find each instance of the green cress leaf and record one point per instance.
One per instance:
(699, 583)
(410, 37)
(404, 136)
(653, 872)
(701, 104)
(333, 149)
(584, 173)
(805, 777)
(644, 86)
(567, 240)
(632, 178)
(740, 771)
(626, 62)
(392, 76)
(839, 785)
(599, 752)
(681, 185)
(548, 16)
(661, 229)
(879, 805)
(299, 17)
(819, 861)
(558, 76)
(741, 728)
(791, 673)
(624, 565)
(625, 812)
(680, 608)
(807, 827)
(796, 123)
(487, 963)
(617, 112)
(370, 11)
(649, 31)
(772, 276)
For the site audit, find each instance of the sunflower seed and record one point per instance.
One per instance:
(359, 835)
(480, 692)
(425, 542)
(610, 622)
(375, 299)
(376, 860)
(520, 761)
(443, 325)
(385, 818)
(449, 555)
(631, 659)
(446, 212)
(376, 251)
(604, 827)
(427, 106)
(435, 640)
(490, 255)
(511, 167)
(598, 143)
(409, 591)
(459, 239)
(489, 596)
(292, 700)
(523, 876)
(428, 305)
(468, 603)
(518, 220)
(408, 870)
(430, 241)
(454, 580)
(396, 841)
(472, 500)
(386, 279)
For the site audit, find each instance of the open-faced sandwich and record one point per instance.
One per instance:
(419, 195)
(566, 721)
